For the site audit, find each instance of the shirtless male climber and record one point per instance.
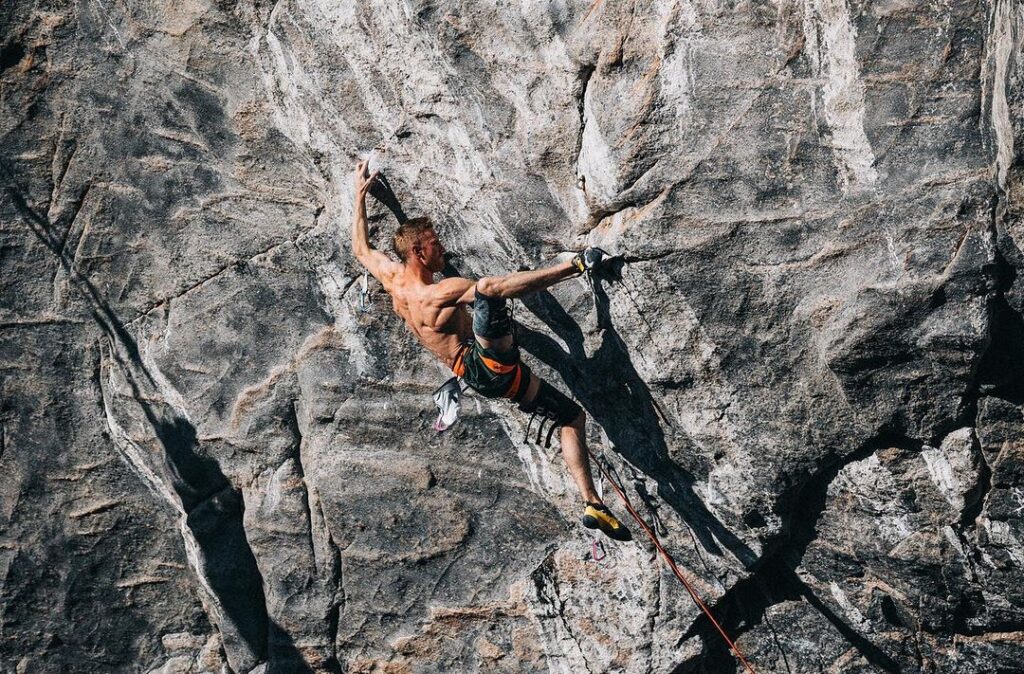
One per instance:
(481, 349)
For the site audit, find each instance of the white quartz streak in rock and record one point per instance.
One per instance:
(1004, 39)
(831, 44)
(953, 467)
(596, 165)
(134, 457)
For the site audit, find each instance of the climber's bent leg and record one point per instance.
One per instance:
(544, 400)
(577, 459)
(551, 405)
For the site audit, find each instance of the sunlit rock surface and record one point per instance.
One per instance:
(217, 454)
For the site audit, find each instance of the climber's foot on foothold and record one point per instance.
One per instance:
(597, 516)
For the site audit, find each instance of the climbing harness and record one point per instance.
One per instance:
(540, 428)
(606, 474)
(552, 405)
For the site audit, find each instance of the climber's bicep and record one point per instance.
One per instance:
(452, 291)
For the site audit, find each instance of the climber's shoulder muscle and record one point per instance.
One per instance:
(382, 267)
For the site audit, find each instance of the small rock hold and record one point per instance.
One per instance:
(179, 664)
(487, 650)
(211, 658)
(181, 641)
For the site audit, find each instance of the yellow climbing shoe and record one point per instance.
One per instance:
(597, 516)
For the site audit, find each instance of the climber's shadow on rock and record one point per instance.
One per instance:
(614, 394)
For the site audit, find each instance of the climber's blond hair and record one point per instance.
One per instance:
(408, 235)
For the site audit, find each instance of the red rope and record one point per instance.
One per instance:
(672, 565)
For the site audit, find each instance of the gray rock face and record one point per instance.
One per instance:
(217, 455)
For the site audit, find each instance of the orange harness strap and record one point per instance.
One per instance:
(513, 390)
(459, 366)
(672, 565)
(496, 366)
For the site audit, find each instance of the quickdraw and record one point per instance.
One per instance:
(364, 294)
(545, 416)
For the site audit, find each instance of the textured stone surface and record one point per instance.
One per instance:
(214, 459)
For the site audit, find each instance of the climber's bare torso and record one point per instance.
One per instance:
(442, 329)
(436, 313)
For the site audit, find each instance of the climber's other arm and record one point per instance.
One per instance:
(377, 263)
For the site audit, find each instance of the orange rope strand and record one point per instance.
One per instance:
(672, 565)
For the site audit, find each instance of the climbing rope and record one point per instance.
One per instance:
(639, 520)
(605, 474)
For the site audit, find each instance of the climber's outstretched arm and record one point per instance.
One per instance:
(377, 263)
(525, 282)
(452, 291)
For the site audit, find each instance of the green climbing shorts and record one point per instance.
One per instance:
(492, 374)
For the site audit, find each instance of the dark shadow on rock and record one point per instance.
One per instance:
(382, 192)
(807, 507)
(195, 478)
(212, 506)
(740, 610)
(609, 387)
(1002, 368)
(214, 514)
(285, 657)
(46, 232)
(450, 269)
(746, 607)
(776, 578)
(230, 567)
(613, 393)
(872, 653)
(1001, 372)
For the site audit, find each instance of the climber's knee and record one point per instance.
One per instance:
(580, 422)
(554, 405)
(492, 318)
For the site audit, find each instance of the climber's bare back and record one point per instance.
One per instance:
(435, 312)
(442, 329)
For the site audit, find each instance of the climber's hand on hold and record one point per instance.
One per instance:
(364, 180)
